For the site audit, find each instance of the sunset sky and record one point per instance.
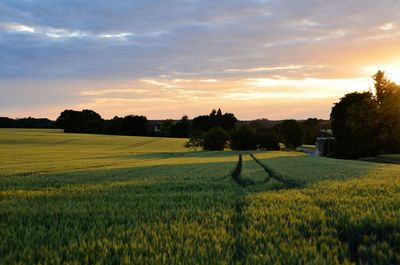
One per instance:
(258, 59)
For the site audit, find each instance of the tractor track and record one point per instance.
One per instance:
(277, 176)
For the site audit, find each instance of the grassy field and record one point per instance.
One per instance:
(88, 199)
(389, 158)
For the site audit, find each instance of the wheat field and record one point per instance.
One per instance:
(96, 199)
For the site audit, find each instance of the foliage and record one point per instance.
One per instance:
(77, 121)
(291, 133)
(243, 138)
(388, 99)
(365, 125)
(166, 127)
(215, 139)
(354, 121)
(204, 123)
(311, 129)
(88, 121)
(134, 125)
(384, 88)
(181, 129)
(26, 123)
(268, 139)
(194, 143)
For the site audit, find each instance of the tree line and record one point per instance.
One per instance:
(89, 121)
(29, 122)
(368, 123)
(214, 131)
(254, 135)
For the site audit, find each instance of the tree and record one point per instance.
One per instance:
(365, 124)
(204, 123)
(227, 121)
(215, 139)
(134, 125)
(6, 122)
(113, 126)
(181, 129)
(77, 121)
(291, 133)
(194, 143)
(166, 127)
(387, 95)
(244, 138)
(268, 139)
(310, 128)
(384, 88)
(390, 124)
(354, 123)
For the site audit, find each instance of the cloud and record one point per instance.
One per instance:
(18, 27)
(61, 32)
(207, 50)
(387, 26)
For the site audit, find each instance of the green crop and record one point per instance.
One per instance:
(96, 199)
(389, 158)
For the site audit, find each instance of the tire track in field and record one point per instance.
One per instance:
(237, 173)
(342, 234)
(276, 175)
(238, 218)
(139, 144)
(238, 170)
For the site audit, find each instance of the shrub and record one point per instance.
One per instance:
(194, 143)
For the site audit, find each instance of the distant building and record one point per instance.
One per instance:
(324, 143)
(154, 126)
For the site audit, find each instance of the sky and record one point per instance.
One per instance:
(274, 59)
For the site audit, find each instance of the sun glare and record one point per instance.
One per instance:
(392, 71)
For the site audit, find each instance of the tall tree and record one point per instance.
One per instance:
(384, 88)
(291, 133)
(354, 123)
(387, 94)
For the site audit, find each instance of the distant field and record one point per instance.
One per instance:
(309, 146)
(86, 199)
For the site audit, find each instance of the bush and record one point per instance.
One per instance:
(194, 143)
(244, 138)
(215, 139)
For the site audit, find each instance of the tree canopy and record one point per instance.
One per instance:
(366, 124)
(204, 123)
(88, 121)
